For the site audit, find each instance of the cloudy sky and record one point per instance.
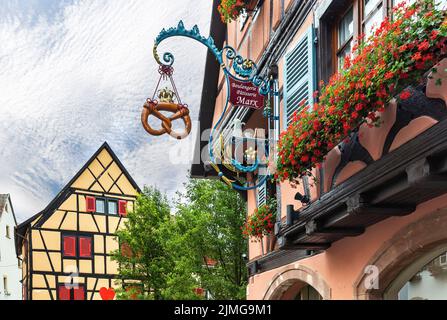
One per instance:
(75, 73)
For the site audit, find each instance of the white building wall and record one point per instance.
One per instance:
(9, 268)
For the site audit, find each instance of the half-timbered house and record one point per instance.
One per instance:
(66, 248)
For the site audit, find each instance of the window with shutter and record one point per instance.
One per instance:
(78, 292)
(261, 196)
(122, 208)
(64, 292)
(90, 204)
(300, 75)
(85, 247)
(69, 246)
(71, 292)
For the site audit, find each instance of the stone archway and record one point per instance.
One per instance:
(289, 281)
(416, 242)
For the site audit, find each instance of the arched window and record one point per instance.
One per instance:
(298, 284)
(424, 279)
(308, 293)
(429, 283)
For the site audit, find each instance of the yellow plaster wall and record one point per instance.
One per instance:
(99, 264)
(112, 266)
(86, 223)
(98, 243)
(41, 262)
(85, 266)
(38, 294)
(55, 219)
(111, 244)
(52, 239)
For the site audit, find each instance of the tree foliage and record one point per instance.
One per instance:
(208, 227)
(143, 255)
(169, 251)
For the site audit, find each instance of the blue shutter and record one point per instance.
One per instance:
(299, 75)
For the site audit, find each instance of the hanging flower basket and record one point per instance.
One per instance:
(399, 53)
(262, 221)
(231, 9)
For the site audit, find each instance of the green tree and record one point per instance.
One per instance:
(144, 256)
(207, 225)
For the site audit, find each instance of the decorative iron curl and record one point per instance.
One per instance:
(244, 70)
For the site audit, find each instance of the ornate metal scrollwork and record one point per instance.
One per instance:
(236, 67)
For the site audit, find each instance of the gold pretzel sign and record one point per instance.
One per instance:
(153, 107)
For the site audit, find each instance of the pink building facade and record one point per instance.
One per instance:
(375, 226)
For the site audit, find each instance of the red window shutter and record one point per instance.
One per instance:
(69, 246)
(122, 208)
(78, 293)
(85, 246)
(90, 204)
(126, 251)
(64, 292)
(135, 291)
(199, 291)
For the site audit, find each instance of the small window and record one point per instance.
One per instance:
(345, 36)
(112, 207)
(8, 235)
(100, 206)
(85, 247)
(5, 284)
(6, 207)
(69, 246)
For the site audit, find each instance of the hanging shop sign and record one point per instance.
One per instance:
(246, 88)
(245, 94)
(168, 101)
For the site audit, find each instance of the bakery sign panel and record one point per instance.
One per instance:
(245, 94)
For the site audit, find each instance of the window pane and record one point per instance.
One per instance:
(346, 28)
(100, 206)
(428, 283)
(441, 4)
(113, 207)
(370, 5)
(373, 22)
(344, 53)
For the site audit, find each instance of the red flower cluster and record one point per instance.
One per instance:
(397, 55)
(230, 9)
(261, 222)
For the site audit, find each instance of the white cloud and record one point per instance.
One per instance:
(75, 75)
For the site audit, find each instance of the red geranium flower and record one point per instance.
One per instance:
(405, 95)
